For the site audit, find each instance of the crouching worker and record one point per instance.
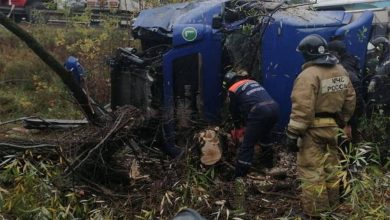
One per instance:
(251, 105)
(321, 92)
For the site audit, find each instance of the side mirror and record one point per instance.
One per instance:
(217, 22)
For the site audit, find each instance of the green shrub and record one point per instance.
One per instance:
(365, 171)
(31, 190)
(376, 129)
(18, 71)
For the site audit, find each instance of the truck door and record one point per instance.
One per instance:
(192, 75)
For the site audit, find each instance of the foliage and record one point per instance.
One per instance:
(192, 190)
(31, 187)
(364, 182)
(376, 129)
(44, 100)
(364, 171)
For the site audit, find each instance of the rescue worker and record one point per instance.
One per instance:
(378, 88)
(382, 46)
(351, 64)
(322, 94)
(251, 105)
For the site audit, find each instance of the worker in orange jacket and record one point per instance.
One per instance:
(251, 105)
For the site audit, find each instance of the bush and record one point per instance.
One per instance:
(29, 189)
(376, 129)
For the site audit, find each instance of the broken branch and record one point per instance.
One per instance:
(115, 128)
(26, 147)
(16, 120)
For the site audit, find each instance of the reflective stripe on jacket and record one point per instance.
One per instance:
(243, 95)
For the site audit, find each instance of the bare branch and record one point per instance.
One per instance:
(26, 147)
(16, 120)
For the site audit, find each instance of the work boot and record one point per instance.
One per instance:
(267, 155)
(277, 173)
(241, 170)
(172, 151)
(239, 195)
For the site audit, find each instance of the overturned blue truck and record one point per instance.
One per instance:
(176, 77)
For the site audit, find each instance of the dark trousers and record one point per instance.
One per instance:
(260, 121)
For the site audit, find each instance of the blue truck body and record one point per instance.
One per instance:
(188, 28)
(188, 47)
(281, 62)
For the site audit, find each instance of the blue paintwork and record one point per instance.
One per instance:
(210, 52)
(356, 35)
(280, 63)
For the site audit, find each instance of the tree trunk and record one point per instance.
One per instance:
(210, 146)
(58, 68)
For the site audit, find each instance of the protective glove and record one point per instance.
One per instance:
(291, 141)
(238, 134)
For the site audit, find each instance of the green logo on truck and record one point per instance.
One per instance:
(189, 33)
